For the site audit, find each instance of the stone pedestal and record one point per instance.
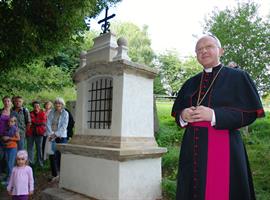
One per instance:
(113, 154)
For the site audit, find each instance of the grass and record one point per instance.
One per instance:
(257, 143)
(258, 148)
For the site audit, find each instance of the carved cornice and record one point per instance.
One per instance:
(118, 67)
(117, 154)
(113, 141)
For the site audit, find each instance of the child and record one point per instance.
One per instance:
(21, 183)
(12, 127)
(10, 138)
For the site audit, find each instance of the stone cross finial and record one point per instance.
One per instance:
(105, 27)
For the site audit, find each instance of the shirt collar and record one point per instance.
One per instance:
(210, 69)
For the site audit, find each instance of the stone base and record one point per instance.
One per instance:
(112, 173)
(62, 194)
(110, 179)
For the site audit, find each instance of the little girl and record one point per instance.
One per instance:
(21, 182)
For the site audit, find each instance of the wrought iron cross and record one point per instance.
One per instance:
(105, 27)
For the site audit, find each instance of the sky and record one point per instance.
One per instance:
(172, 24)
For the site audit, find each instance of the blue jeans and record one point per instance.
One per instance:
(30, 149)
(21, 143)
(10, 154)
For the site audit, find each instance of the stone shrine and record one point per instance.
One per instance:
(113, 154)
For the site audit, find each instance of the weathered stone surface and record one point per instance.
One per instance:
(112, 153)
(114, 141)
(117, 67)
(62, 194)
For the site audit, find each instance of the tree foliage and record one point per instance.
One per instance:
(67, 58)
(190, 67)
(33, 28)
(175, 72)
(158, 86)
(245, 37)
(170, 69)
(33, 78)
(138, 39)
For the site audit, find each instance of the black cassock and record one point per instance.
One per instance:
(213, 163)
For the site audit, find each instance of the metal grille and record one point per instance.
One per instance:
(100, 104)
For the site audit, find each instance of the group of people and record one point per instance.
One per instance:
(39, 128)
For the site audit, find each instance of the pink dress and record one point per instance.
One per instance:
(21, 181)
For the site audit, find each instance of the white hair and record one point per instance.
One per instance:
(218, 43)
(59, 100)
(216, 39)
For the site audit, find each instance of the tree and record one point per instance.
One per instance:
(33, 28)
(245, 37)
(139, 42)
(67, 58)
(170, 69)
(175, 72)
(33, 78)
(158, 86)
(190, 68)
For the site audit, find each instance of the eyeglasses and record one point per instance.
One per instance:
(207, 48)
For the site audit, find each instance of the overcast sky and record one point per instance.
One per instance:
(172, 23)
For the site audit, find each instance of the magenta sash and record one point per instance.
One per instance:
(218, 163)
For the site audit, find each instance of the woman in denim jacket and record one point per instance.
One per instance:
(57, 123)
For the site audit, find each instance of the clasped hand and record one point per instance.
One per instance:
(197, 114)
(52, 137)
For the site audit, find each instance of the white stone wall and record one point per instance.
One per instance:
(137, 118)
(112, 180)
(93, 177)
(132, 107)
(140, 179)
(80, 122)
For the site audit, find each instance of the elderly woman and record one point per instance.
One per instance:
(57, 123)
